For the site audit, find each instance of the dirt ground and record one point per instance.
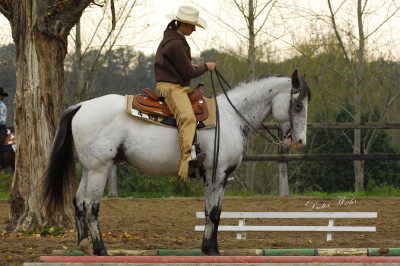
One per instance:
(169, 224)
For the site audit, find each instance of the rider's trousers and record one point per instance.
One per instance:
(176, 97)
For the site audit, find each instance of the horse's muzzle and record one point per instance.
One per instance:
(299, 144)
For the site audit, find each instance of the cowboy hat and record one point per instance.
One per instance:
(190, 15)
(2, 93)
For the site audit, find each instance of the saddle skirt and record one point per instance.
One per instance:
(153, 108)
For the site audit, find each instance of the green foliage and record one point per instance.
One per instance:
(5, 184)
(334, 176)
(132, 182)
(376, 191)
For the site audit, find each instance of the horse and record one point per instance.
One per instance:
(101, 133)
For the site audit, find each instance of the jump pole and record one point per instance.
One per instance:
(219, 259)
(247, 252)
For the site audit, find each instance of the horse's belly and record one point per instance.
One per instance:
(154, 158)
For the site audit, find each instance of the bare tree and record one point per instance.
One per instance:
(39, 30)
(254, 14)
(357, 27)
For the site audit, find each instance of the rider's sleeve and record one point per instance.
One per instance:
(179, 53)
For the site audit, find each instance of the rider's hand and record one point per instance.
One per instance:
(211, 65)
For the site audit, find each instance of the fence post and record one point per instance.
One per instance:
(283, 170)
(113, 182)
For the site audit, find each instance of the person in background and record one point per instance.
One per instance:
(3, 121)
(174, 70)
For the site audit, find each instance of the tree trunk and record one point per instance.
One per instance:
(250, 166)
(359, 165)
(38, 104)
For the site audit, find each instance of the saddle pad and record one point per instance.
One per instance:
(208, 123)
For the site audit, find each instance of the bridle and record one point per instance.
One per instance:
(272, 138)
(275, 139)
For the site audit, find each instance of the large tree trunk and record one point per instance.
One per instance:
(40, 29)
(38, 104)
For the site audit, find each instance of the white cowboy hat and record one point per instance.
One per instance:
(189, 15)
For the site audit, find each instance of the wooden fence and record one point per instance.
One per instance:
(324, 157)
(284, 158)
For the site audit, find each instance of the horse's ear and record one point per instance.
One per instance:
(295, 79)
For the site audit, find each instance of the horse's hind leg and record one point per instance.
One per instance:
(80, 213)
(214, 196)
(95, 187)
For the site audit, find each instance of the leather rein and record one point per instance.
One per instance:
(275, 140)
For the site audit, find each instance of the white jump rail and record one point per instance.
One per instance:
(241, 228)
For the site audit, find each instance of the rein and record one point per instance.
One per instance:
(275, 139)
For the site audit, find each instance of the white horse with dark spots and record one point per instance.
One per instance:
(102, 132)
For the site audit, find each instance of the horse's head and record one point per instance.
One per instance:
(289, 108)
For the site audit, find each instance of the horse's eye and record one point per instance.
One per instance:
(298, 107)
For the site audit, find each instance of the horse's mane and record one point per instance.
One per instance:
(261, 77)
(303, 84)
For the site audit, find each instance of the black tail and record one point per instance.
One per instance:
(58, 180)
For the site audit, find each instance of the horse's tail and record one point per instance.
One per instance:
(59, 178)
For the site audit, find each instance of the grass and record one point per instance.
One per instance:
(4, 194)
(381, 191)
(378, 191)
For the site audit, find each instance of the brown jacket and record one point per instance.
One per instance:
(173, 62)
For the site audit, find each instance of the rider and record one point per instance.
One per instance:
(173, 71)
(3, 120)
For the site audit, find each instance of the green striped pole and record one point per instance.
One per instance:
(290, 252)
(384, 252)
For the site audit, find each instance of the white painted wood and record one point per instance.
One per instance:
(242, 228)
(283, 215)
(329, 236)
(241, 235)
(292, 228)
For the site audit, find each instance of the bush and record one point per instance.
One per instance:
(5, 183)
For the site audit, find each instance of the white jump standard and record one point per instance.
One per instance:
(241, 228)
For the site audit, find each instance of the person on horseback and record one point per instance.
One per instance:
(3, 120)
(174, 70)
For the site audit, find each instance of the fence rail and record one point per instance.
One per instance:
(327, 157)
(343, 126)
(322, 157)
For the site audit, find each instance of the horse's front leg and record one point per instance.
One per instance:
(214, 196)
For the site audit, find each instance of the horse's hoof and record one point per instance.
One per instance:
(101, 253)
(211, 252)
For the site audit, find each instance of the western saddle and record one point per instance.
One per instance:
(150, 103)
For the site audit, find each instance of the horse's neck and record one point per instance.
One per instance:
(252, 99)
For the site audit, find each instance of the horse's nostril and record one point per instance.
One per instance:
(300, 141)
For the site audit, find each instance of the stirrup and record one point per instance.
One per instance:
(196, 162)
